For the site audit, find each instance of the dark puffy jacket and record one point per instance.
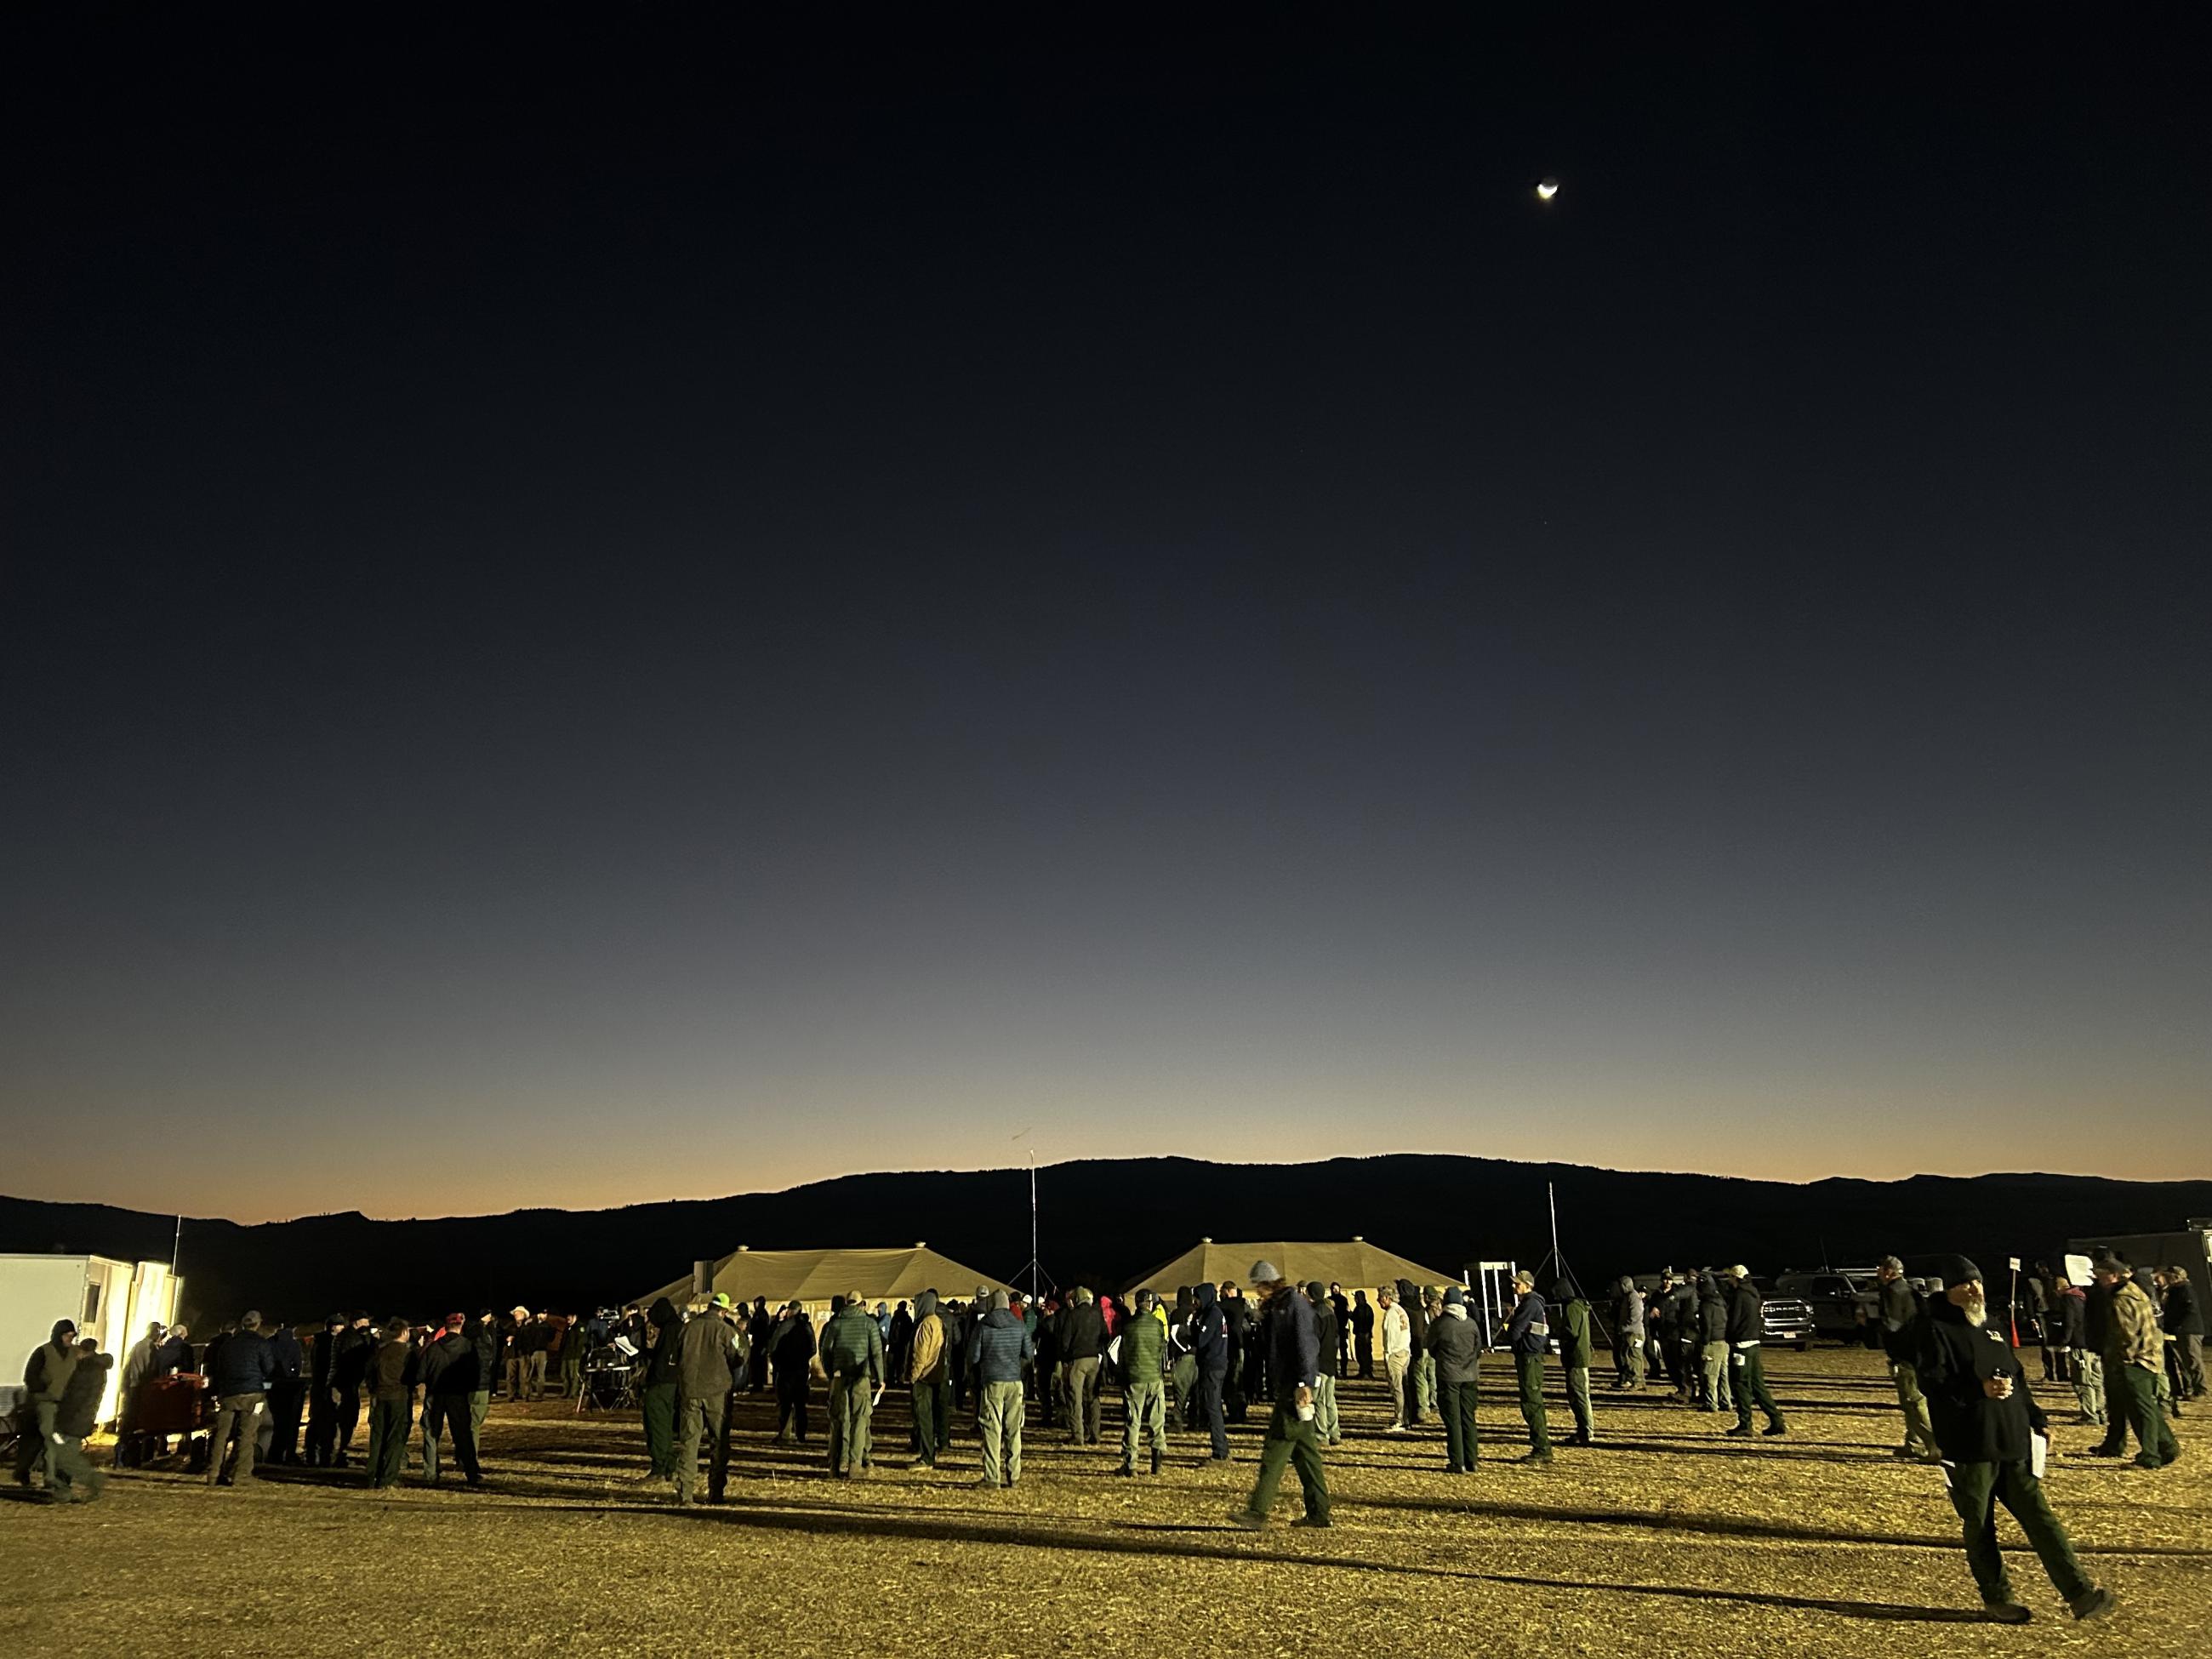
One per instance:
(1746, 1315)
(1455, 1339)
(1082, 1332)
(1527, 1330)
(1953, 1357)
(1898, 1309)
(483, 1337)
(1293, 1343)
(1209, 1331)
(355, 1352)
(78, 1413)
(1575, 1334)
(1001, 1347)
(1328, 1331)
(245, 1364)
(853, 1345)
(1144, 1348)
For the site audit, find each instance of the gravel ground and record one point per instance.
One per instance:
(1665, 1538)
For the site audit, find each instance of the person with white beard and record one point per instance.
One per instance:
(1994, 1439)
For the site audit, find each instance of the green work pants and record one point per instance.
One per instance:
(1748, 1382)
(1578, 1398)
(2132, 1394)
(658, 1401)
(932, 1416)
(1918, 1436)
(1528, 1372)
(1328, 1422)
(999, 1424)
(709, 1418)
(1713, 1357)
(1975, 1491)
(1461, 1434)
(389, 1421)
(1145, 1401)
(852, 1410)
(1290, 1441)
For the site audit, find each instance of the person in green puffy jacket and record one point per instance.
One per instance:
(1575, 1348)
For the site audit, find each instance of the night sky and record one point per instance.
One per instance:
(605, 610)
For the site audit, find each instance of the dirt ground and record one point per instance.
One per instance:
(1665, 1538)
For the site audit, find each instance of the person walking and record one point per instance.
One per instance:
(2133, 1358)
(706, 1371)
(929, 1378)
(1081, 1345)
(1144, 1369)
(1575, 1351)
(1994, 1439)
(447, 1372)
(1456, 1340)
(1746, 1324)
(999, 1348)
(1898, 1314)
(1293, 1361)
(1529, 1334)
(1627, 1334)
(1397, 1333)
(1327, 1424)
(853, 1358)
(390, 1376)
(45, 1379)
(1363, 1334)
(71, 1477)
(240, 1378)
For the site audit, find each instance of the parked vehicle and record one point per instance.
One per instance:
(1789, 1318)
(1844, 1301)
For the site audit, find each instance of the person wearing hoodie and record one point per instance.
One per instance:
(323, 1391)
(791, 1353)
(45, 1379)
(240, 1377)
(1576, 1348)
(1897, 1314)
(1987, 1425)
(1746, 1324)
(1293, 1362)
(997, 1353)
(929, 1377)
(1327, 1422)
(483, 1334)
(1397, 1333)
(656, 1386)
(1530, 1334)
(288, 1398)
(1209, 1340)
(447, 1370)
(71, 1479)
(1456, 1340)
(2185, 1331)
(1144, 1365)
(1082, 1349)
(1713, 1348)
(1627, 1334)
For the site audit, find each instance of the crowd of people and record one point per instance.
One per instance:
(2130, 1344)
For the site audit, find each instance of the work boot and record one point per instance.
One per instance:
(2006, 1612)
(1125, 1470)
(1247, 1520)
(1777, 1426)
(1741, 1432)
(1159, 1462)
(2092, 1603)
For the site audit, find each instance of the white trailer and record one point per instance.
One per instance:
(111, 1302)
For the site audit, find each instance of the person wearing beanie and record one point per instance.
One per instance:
(1456, 1338)
(1293, 1362)
(1327, 1423)
(1746, 1324)
(929, 1378)
(1529, 1334)
(1994, 1437)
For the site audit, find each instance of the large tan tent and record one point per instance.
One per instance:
(811, 1278)
(1355, 1264)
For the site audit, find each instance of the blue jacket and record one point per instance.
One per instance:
(1527, 1330)
(245, 1362)
(1209, 1328)
(999, 1348)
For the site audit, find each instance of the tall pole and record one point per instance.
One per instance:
(1551, 1199)
(1037, 1267)
(177, 1246)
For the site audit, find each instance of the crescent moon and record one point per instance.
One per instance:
(1547, 190)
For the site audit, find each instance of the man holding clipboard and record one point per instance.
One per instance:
(1994, 1439)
